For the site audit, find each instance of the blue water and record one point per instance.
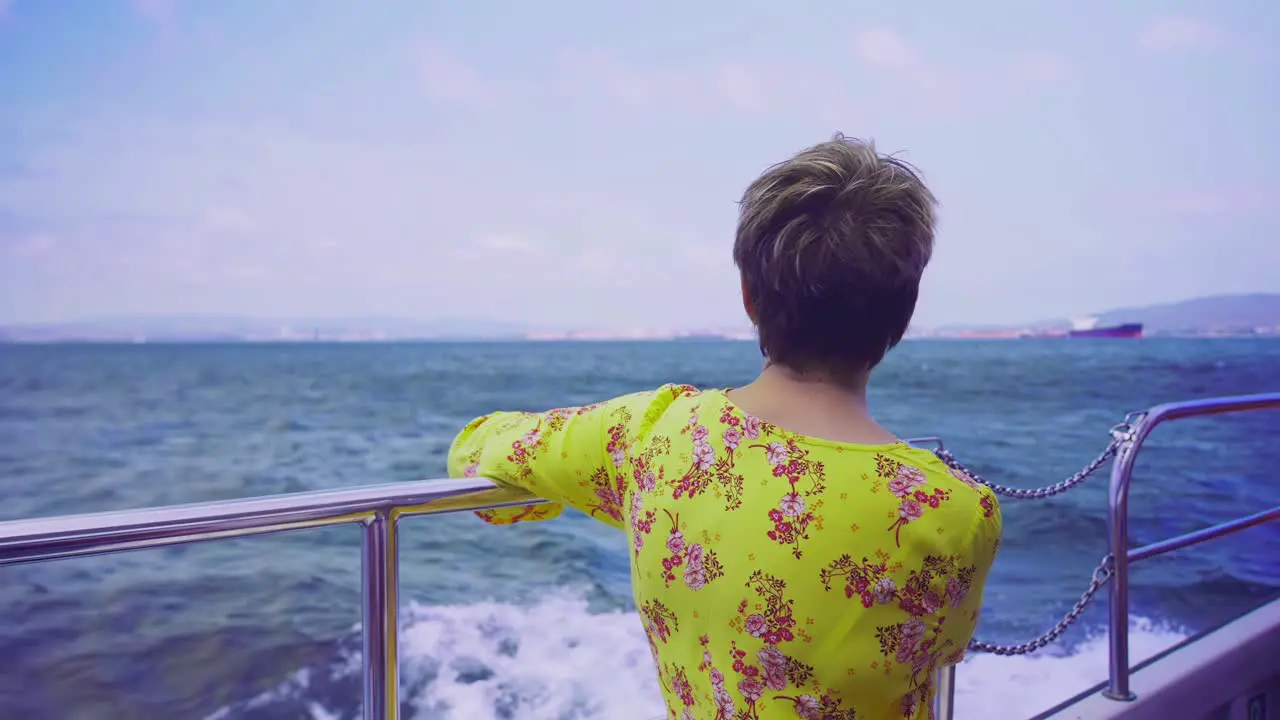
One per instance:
(534, 621)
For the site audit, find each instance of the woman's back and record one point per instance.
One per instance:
(777, 575)
(780, 575)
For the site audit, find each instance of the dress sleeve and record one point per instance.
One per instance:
(983, 545)
(569, 456)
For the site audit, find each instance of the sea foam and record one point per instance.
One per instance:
(554, 660)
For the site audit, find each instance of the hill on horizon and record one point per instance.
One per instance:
(1222, 313)
(1235, 312)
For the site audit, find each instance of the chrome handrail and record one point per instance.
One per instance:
(377, 508)
(1118, 521)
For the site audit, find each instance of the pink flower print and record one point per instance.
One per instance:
(963, 477)
(693, 421)
(775, 679)
(752, 427)
(680, 683)
(792, 505)
(913, 500)
(914, 474)
(717, 677)
(885, 590)
(695, 555)
(924, 656)
(695, 577)
(988, 506)
(909, 642)
(807, 707)
(776, 453)
(732, 438)
(471, 470)
(757, 625)
(610, 502)
(700, 433)
(751, 689)
(687, 715)
(907, 479)
(646, 480)
(619, 457)
(639, 541)
(932, 602)
(724, 702)
(775, 668)
(704, 455)
(909, 703)
(956, 592)
(675, 542)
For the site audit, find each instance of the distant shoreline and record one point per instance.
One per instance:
(584, 340)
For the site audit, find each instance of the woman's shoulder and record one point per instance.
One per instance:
(667, 406)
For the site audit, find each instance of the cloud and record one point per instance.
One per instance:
(1174, 33)
(160, 12)
(507, 245)
(33, 246)
(1221, 201)
(957, 84)
(884, 48)
(447, 78)
(166, 216)
(229, 220)
(706, 86)
(1044, 68)
(597, 79)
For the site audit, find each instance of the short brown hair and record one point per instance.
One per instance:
(831, 245)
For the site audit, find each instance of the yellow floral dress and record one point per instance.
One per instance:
(776, 575)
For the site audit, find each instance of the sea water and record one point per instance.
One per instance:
(537, 621)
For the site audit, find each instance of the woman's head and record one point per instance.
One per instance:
(831, 245)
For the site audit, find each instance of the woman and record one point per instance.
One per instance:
(789, 556)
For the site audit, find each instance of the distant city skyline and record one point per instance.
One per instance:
(1253, 315)
(571, 165)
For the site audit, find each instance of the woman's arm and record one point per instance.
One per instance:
(569, 456)
(983, 544)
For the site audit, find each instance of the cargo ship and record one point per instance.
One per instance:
(1089, 329)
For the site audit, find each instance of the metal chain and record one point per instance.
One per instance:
(1120, 434)
(1101, 575)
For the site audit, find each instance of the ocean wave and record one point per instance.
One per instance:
(555, 660)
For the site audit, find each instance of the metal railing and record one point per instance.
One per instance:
(379, 508)
(1118, 521)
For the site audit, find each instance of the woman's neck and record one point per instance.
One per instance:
(812, 407)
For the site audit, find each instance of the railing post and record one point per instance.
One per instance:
(1118, 542)
(380, 564)
(944, 699)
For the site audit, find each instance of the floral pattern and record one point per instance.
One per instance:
(700, 566)
(907, 482)
(793, 515)
(734, 527)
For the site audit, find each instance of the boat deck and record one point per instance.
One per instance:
(1229, 673)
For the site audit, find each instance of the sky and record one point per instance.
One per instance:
(577, 164)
